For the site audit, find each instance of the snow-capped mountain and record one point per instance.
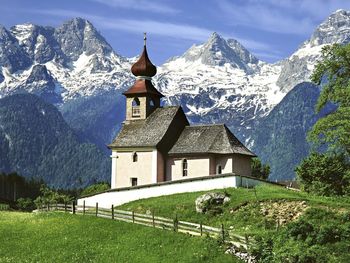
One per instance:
(220, 81)
(74, 67)
(298, 67)
(217, 81)
(69, 61)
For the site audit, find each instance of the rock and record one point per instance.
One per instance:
(210, 200)
(226, 200)
(243, 255)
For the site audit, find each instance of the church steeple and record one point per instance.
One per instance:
(143, 68)
(142, 98)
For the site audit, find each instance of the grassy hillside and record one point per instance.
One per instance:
(183, 205)
(288, 226)
(58, 237)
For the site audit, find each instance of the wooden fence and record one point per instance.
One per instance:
(174, 224)
(4, 207)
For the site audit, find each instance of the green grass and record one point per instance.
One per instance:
(58, 237)
(243, 221)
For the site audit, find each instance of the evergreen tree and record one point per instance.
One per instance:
(260, 170)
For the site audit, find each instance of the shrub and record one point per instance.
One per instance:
(346, 217)
(300, 230)
(49, 196)
(95, 188)
(324, 174)
(328, 234)
(25, 204)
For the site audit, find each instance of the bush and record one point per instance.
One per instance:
(324, 174)
(95, 188)
(300, 230)
(25, 204)
(328, 234)
(49, 196)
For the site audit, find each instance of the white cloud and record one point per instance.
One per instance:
(146, 5)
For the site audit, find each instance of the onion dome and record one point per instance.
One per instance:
(144, 70)
(143, 67)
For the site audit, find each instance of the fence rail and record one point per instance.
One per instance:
(153, 221)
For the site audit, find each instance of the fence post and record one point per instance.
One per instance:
(256, 196)
(56, 206)
(175, 224)
(133, 217)
(96, 208)
(65, 206)
(112, 212)
(153, 219)
(48, 207)
(84, 207)
(73, 207)
(246, 240)
(201, 228)
(223, 232)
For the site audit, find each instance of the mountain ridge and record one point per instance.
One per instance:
(218, 81)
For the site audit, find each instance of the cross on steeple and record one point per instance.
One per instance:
(144, 38)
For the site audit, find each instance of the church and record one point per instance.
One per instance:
(157, 144)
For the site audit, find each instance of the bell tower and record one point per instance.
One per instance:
(142, 98)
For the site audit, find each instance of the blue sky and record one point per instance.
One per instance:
(270, 29)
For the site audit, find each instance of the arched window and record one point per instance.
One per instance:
(136, 102)
(219, 169)
(184, 167)
(136, 108)
(151, 103)
(134, 157)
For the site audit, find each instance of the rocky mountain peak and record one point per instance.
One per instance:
(12, 56)
(334, 29)
(38, 42)
(217, 51)
(79, 35)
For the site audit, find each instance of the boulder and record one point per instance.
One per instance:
(211, 200)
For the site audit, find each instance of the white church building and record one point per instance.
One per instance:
(157, 144)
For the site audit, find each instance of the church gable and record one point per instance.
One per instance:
(159, 130)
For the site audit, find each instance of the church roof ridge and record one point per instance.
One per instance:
(215, 139)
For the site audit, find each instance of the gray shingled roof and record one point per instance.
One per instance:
(148, 132)
(208, 139)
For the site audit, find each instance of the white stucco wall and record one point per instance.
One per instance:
(123, 196)
(225, 162)
(196, 167)
(145, 169)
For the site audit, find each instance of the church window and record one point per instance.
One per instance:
(151, 103)
(219, 169)
(136, 102)
(133, 181)
(184, 167)
(134, 157)
(136, 108)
